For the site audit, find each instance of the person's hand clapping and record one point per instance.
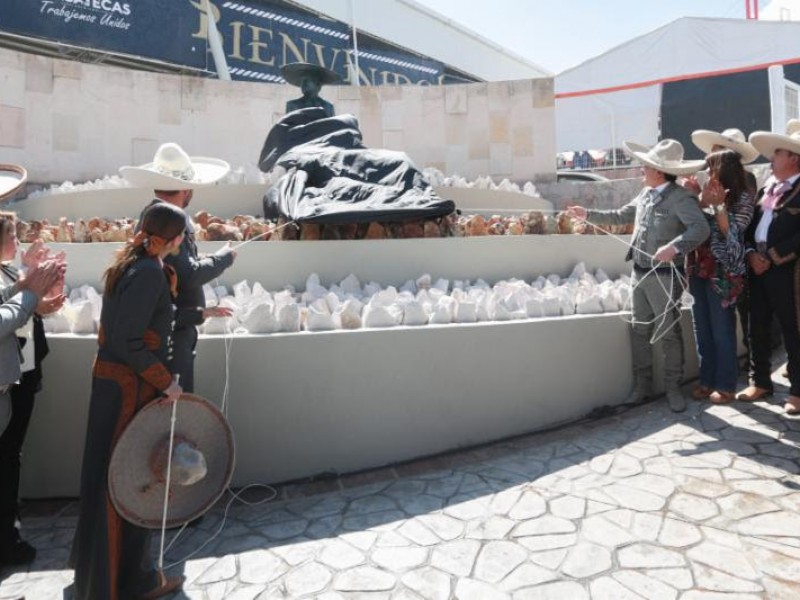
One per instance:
(35, 254)
(42, 278)
(691, 184)
(50, 304)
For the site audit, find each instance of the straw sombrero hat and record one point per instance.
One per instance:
(767, 142)
(666, 156)
(294, 72)
(173, 169)
(732, 139)
(12, 178)
(202, 463)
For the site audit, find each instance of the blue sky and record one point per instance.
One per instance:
(561, 34)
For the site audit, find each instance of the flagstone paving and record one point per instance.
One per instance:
(642, 505)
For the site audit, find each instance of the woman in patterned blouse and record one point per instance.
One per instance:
(717, 274)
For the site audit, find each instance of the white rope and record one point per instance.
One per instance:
(173, 420)
(260, 235)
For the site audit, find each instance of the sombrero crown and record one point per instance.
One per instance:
(732, 138)
(666, 156)
(294, 72)
(767, 142)
(173, 169)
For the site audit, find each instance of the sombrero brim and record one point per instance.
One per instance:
(767, 142)
(705, 139)
(137, 495)
(207, 171)
(684, 167)
(12, 178)
(293, 73)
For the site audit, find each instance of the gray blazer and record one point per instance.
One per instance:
(674, 217)
(14, 313)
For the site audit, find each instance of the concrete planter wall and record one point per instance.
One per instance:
(307, 403)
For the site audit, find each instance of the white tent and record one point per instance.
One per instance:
(617, 96)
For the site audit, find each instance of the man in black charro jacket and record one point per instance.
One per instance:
(174, 175)
(773, 245)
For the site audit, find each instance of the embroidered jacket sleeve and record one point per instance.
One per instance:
(624, 215)
(729, 250)
(138, 297)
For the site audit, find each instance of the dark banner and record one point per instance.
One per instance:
(738, 100)
(258, 37)
(154, 29)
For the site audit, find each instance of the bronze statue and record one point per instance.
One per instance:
(309, 78)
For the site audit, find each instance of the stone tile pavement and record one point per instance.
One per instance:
(644, 504)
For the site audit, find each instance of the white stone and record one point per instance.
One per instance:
(364, 579)
(680, 579)
(494, 528)
(468, 510)
(399, 559)
(546, 525)
(446, 528)
(498, 559)
(711, 579)
(428, 583)
(568, 507)
(297, 553)
(727, 560)
(585, 560)
(638, 556)
(645, 586)
(529, 506)
(633, 498)
(693, 508)
(469, 589)
(307, 579)
(223, 570)
(561, 590)
(527, 575)
(550, 559)
(598, 529)
(606, 588)
(456, 557)
(780, 523)
(679, 534)
(340, 555)
(416, 532)
(260, 566)
(539, 543)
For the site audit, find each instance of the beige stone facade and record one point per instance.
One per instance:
(73, 121)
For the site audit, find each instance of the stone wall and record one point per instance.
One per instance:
(66, 120)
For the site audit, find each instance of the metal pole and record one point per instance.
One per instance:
(215, 41)
(354, 75)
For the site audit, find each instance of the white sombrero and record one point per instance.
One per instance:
(733, 139)
(666, 156)
(12, 178)
(172, 169)
(767, 142)
(202, 463)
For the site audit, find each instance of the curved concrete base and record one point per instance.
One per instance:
(304, 404)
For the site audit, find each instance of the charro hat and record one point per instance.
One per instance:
(732, 139)
(666, 156)
(173, 169)
(202, 462)
(294, 72)
(767, 142)
(12, 178)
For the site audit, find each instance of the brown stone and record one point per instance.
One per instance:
(375, 231)
(310, 232)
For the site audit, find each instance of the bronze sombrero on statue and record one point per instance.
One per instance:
(202, 464)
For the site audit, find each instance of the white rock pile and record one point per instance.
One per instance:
(349, 304)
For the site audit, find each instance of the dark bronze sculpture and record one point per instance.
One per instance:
(309, 78)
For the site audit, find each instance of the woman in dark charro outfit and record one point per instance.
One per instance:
(111, 557)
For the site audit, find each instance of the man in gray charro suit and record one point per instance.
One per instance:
(668, 223)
